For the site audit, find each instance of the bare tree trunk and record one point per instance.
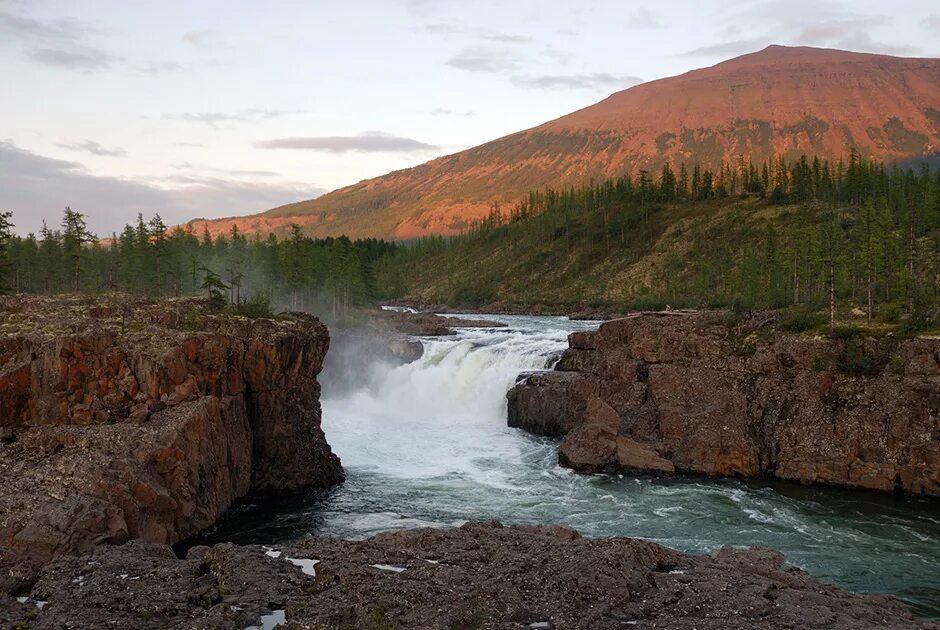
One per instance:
(832, 295)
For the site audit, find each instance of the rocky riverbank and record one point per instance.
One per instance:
(713, 394)
(476, 576)
(125, 418)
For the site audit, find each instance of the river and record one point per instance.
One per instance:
(426, 444)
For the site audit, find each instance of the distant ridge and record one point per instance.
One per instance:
(778, 101)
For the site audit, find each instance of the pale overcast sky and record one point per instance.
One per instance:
(211, 108)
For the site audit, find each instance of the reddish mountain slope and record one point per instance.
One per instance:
(777, 101)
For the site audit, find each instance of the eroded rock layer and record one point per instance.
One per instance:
(127, 419)
(707, 393)
(477, 576)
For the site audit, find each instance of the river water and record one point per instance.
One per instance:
(426, 444)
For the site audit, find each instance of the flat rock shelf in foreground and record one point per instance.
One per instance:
(480, 575)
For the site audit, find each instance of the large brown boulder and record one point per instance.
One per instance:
(134, 419)
(707, 393)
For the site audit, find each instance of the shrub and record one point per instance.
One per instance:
(801, 320)
(854, 361)
(845, 332)
(920, 319)
(258, 306)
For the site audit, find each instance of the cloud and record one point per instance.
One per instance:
(214, 119)
(77, 58)
(157, 68)
(189, 166)
(368, 142)
(54, 43)
(34, 187)
(90, 146)
(932, 22)
(198, 39)
(505, 38)
(14, 26)
(595, 81)
(445, 111)
(443, 28)
(643, 18)
(481, 59)
(736, 47)
(850, 34)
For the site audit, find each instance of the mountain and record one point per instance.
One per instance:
(779, 101)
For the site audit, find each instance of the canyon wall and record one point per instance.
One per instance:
(713, 394)
(122, 419)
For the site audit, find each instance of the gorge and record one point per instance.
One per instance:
(424, 443)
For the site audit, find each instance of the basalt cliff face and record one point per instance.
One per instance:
(700, 393)
(128, 419)
(779, 101)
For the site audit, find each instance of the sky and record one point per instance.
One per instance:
(220, 108)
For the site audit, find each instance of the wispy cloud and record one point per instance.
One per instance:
(593, 81)
(482, 59)
(54, 43)
(34, 186)
(202, 168)
(198, 39)
(78, 58)
(444, 28)
(445, 111)
(90, 146)
(161, 67)
(367, 142)
(214, 119)
(14, 26)
(505, 38)
(736, 47)
(851, 34)
(644, 19)
(932, 22)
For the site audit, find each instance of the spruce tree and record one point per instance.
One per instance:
(6, 235)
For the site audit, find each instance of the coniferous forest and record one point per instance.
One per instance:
(329, 276)
(855, 236)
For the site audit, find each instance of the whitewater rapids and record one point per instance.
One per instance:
(427, 444)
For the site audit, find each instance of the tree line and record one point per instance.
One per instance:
(815, 234)
(330, 276)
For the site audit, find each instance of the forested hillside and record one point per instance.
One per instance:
(828, 238)
(823, 236)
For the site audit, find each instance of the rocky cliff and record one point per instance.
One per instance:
(477, 576)
(128, 419)
(708, 393)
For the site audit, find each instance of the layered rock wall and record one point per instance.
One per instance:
(703, 393)
(124, 419)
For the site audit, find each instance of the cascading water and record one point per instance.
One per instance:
(426, 444)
